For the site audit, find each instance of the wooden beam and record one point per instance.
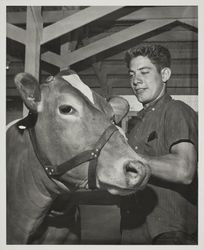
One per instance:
(75, 21)
(54, 59)
(34, 27)
(176, 30)
(37, 17)
(57, 15)
(15, 33)
(190, 22)
(162, 12)
(65, 48)
(48, 16)
(33, 39)
(105, 43)
(68, 43)
(100, 74)
(102, 78)
(144, 13)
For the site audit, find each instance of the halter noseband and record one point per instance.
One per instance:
(88, 155)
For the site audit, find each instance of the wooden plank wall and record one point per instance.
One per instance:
(184, 80)
(183, 46)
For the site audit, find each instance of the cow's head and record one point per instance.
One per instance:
(70, 119)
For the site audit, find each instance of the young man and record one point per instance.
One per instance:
(165, 134)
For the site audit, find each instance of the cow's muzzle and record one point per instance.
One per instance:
(137, 174)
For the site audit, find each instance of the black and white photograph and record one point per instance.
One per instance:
(102, 142)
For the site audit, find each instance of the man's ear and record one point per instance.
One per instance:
(120, 107)
(166, 74)
(29, 90)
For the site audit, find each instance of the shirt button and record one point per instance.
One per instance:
(127, 211)
(153, 109)
(136, 147)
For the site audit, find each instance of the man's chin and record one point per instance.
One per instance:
(141, 99)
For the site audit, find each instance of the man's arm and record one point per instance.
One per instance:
(178, 166)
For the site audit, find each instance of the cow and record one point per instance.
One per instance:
(67, 142)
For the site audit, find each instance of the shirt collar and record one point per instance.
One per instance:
(154, 105)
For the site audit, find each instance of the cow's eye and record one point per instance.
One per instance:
(65, 109)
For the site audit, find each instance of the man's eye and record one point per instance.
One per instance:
(131, 74)
(66, 109)
(145, 72)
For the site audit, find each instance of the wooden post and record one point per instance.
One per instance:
(100, 74)
(34, 28)
(65, 49)
(68, 43)
(102, 77)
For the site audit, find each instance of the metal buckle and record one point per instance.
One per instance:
(51, 170)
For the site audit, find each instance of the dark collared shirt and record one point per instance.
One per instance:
(164, 206)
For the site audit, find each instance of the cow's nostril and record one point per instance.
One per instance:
(130, 169)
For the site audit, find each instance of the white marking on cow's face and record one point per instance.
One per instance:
(76, 82)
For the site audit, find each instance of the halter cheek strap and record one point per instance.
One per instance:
(88, 155)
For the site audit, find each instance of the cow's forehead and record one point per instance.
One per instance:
(73, 80)
(59, 84)
(63, 82)
(76, 82)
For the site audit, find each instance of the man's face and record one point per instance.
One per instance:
(145, 80)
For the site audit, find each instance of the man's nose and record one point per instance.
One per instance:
(136, 80)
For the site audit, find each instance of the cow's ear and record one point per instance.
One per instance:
(120, 107)
(101, 103)
(29, 90)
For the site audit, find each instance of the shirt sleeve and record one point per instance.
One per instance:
(181, 124)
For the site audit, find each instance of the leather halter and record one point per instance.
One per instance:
(88, 155)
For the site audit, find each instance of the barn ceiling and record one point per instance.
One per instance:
(88, 31)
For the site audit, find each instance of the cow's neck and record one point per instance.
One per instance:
(33, 188)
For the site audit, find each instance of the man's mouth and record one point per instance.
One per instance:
(140, 91)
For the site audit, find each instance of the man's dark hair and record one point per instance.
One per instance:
(159, 55)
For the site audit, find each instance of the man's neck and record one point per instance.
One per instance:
(163, 91)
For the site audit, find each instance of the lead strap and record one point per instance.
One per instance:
(92, 174)
(98, 147)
